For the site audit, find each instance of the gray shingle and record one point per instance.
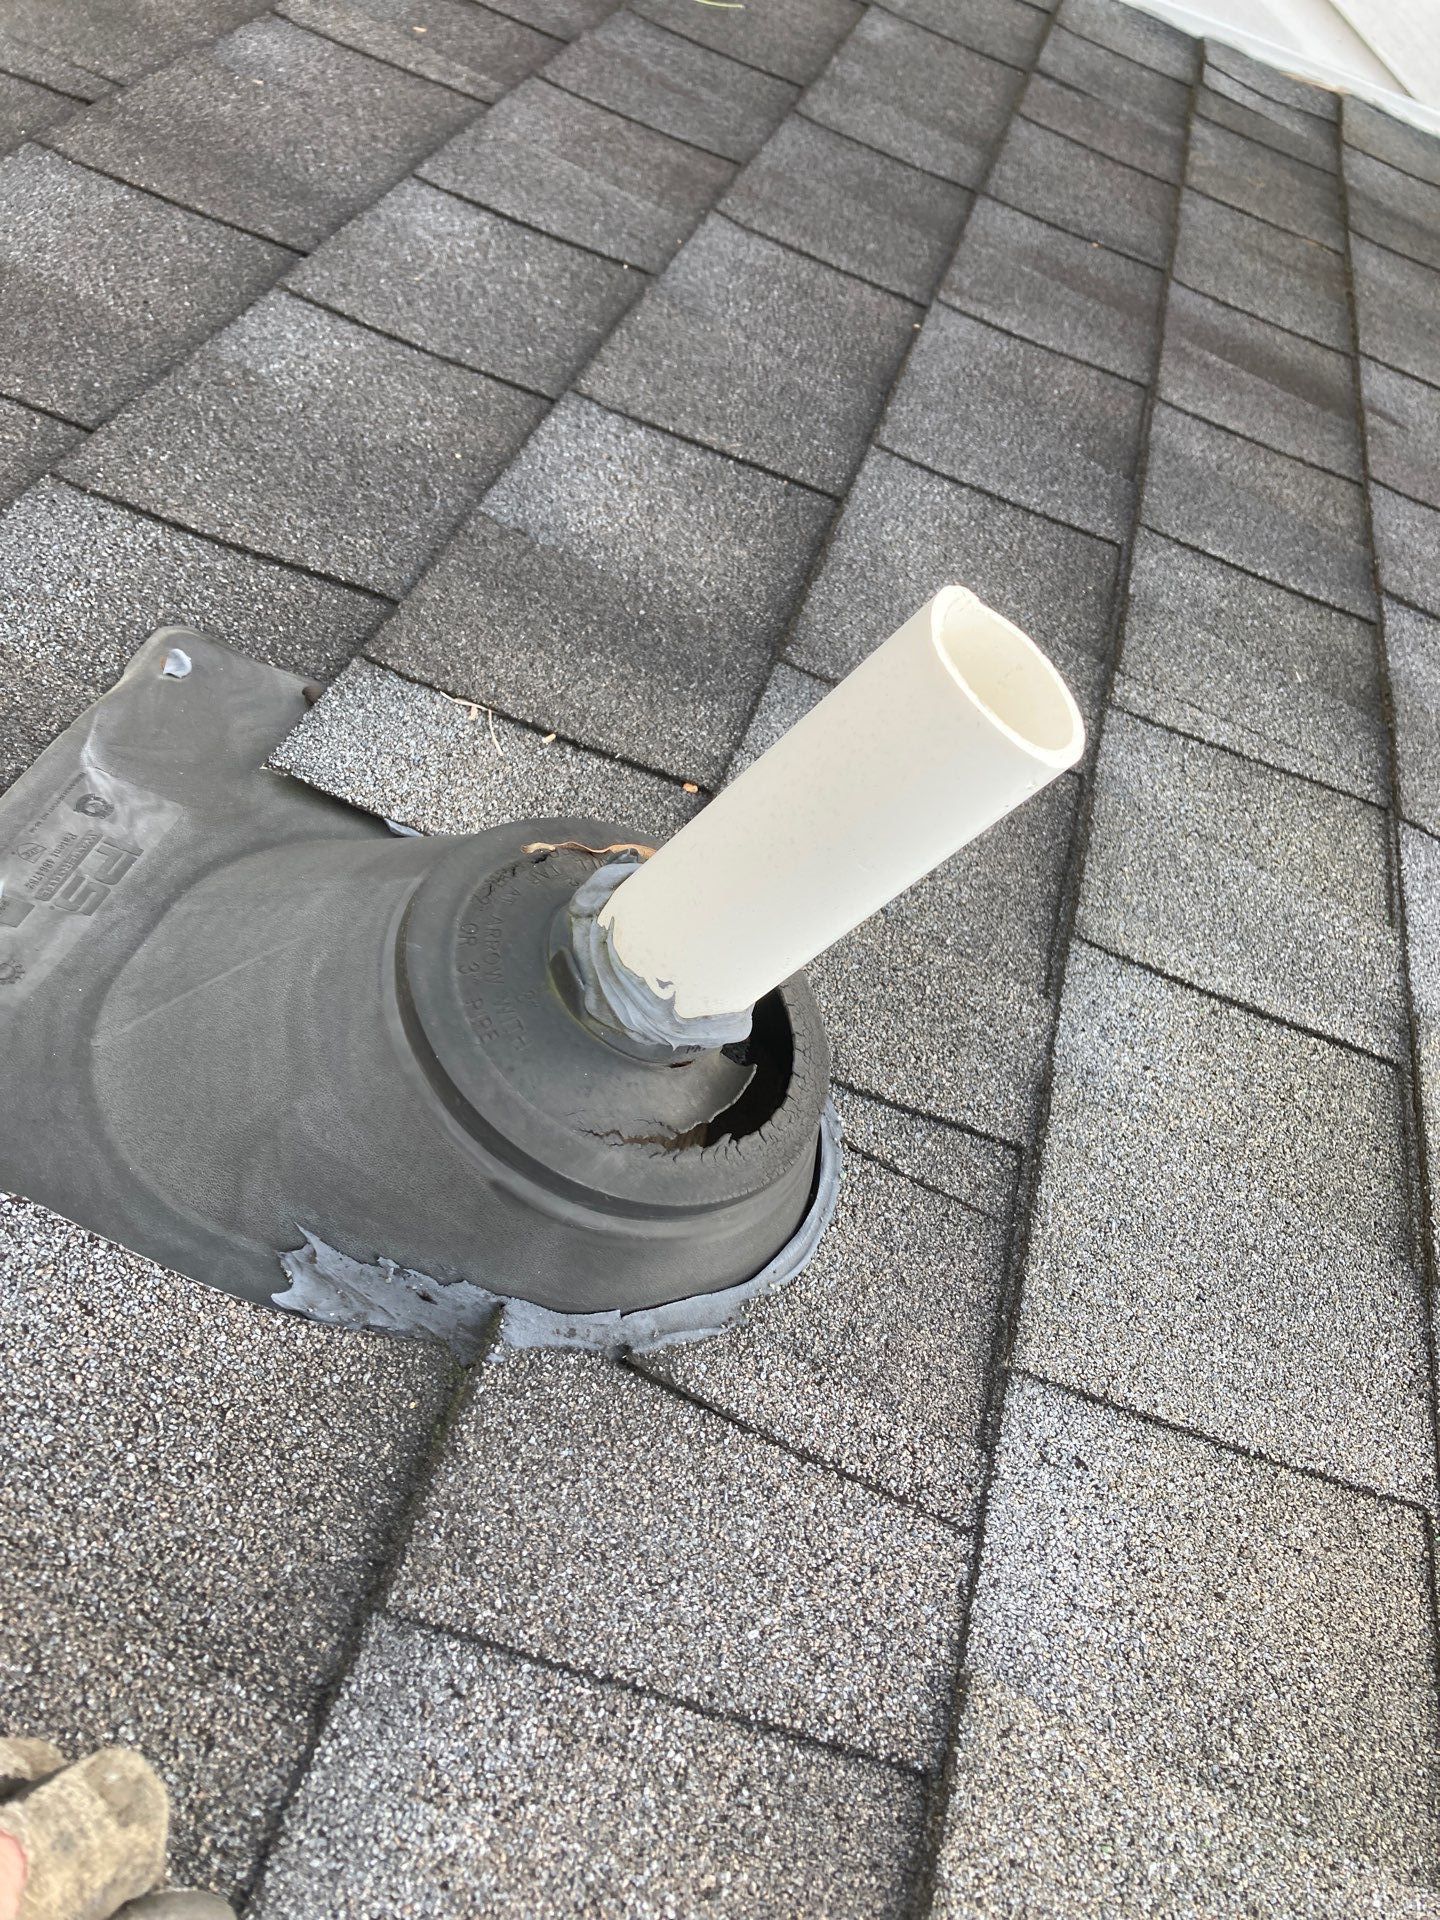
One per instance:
(1397, 310)
(585, 1514)
(1394, 141)
(905, 532)
(1249, 666)
(1420, 866)
(82, 583)
(468, 47)
(792, 38)
(204, 1620)
(1270, 83)
(470, 286)
(446, 1764)
(788, 696)
(1252, 176)
(1057, 179)
(1047, 1816)
(1412, 645)
(1246, 881)
(664, 82)
(942, 1000)
(1221, 1235)
(582, 173)
(43, 67)
(1110, 103)
(1259, 380)
(1301, 135)
(102, 288)
(848, 204)
(1274, 275)
(26, 110)
(29, 443)
(619, 585)
(1039, 429)
(1402, 431)
(274, 129)
(980, 1172)
(306, 438)
(1222, 1625)
(562, 19)
(1050, 286)
(1128, 30)
(1009, 30)
(759, 352)
(1407, 547)
(1393, 209)
(914, 95)
(876, 1359)
(411, 754)
(122, 39)
(1262, 510)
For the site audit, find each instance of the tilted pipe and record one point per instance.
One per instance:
(944, 729)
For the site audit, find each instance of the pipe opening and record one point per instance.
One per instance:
(1008, 676)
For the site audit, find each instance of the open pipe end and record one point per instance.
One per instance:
(1014, 685)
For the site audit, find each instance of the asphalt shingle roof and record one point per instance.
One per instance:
(580, 391)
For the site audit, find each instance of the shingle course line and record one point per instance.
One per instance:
(1061, 353)
(219, 540)
(854, 1152)
(989, 493)
(462, 93)
(807, 1455)
(42, 139)
(1118, 702)
(1278, 226)
(45, 86)
(637, 1688)
(528, 226)
(1284, 152)
(50, 413)
(985, 53)
(803, 253)
(798, 112)
(1222, 999)
(1265, 446)
(387, 1561)
(1420, 1178)
(1235, 1448)
(919, 1113)
(400, 340)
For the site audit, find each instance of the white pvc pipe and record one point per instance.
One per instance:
(942, 731)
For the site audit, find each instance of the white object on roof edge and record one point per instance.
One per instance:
(1388, 42)
(943, 730)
